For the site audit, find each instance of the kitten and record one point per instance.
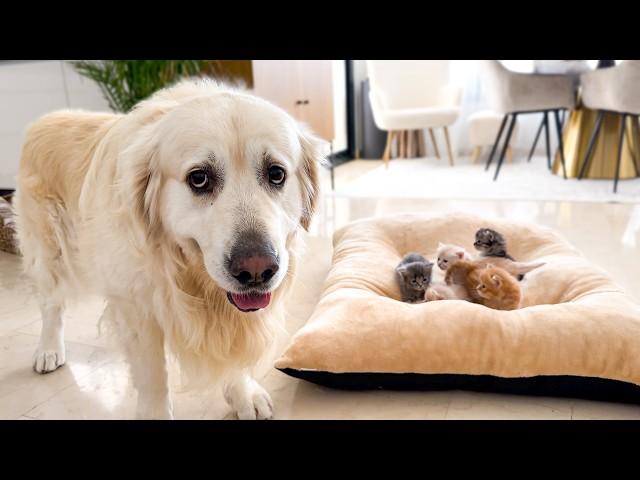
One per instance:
(491, 244)
(449, 254)
(498, 289)
(414, 276)
(466, 274)
(488, 285)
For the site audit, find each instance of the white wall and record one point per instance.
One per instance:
(359, 75)
(28, 90)
(339, 73)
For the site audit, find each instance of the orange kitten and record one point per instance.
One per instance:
(488, 285)
(466, 274)
(498, 289)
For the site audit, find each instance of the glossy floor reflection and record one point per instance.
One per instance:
(95, 381)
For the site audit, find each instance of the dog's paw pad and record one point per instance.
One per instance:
(45, 361)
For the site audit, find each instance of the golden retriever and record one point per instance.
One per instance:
(184, 214)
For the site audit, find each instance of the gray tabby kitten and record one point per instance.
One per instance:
(492, 244)
(414, 276)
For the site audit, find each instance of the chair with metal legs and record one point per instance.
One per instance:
(515, 94)
(613, 90)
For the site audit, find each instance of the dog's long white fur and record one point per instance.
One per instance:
(102, 207)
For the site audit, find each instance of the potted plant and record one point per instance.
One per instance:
(126, 82)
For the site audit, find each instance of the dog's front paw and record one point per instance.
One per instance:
(47, 360)
(249, 400)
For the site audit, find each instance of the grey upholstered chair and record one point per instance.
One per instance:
(513, 94)
(615, 89)
(571, 68)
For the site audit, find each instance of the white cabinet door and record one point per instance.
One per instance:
(304, 88)
(317, 92)
(279, 81)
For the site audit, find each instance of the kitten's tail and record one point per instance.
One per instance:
(520, 268)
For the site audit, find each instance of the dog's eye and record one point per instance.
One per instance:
(276, 175)
(199, 180)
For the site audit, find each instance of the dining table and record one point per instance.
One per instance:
(577, 132)
(579, 124)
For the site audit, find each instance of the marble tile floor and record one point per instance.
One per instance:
(95, 383)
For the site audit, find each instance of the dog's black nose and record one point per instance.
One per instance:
(253, 260)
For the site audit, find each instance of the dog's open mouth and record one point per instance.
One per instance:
(249, 302)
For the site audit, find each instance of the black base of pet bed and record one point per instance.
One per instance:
(570, 386)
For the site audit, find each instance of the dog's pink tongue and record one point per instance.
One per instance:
(251, 301)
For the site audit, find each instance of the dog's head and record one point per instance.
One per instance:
(228, 177)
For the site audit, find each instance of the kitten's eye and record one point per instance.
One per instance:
(277, 175)
(199, 180)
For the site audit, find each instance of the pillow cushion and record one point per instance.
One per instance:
(578, 333)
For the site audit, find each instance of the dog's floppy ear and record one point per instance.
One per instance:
(142, 182)
(311, 151)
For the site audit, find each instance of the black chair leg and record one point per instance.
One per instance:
(592, 142)
(495, 144)
(560, 145)
(546, 136)
(623, 119)
(514, 116)
(333, 180)
(535, 142)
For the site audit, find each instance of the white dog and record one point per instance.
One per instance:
(184, 215)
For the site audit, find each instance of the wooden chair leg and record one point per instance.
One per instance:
(422, 143)
(510, 154)
(387, 149)
(446, 136)
(401, 154)
(435, 145)
(476, 154)
(410, 144)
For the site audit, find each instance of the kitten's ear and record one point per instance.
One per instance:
(402, 271)
(440, 245)
(460, 254)
(496, 280)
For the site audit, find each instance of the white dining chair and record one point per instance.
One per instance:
(412, 95)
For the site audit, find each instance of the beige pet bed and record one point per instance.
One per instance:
(578, 334)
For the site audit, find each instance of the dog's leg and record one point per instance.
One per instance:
(247, 398)
(50, 353)
(144, 349)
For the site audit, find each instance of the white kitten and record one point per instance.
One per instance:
(448, 254)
